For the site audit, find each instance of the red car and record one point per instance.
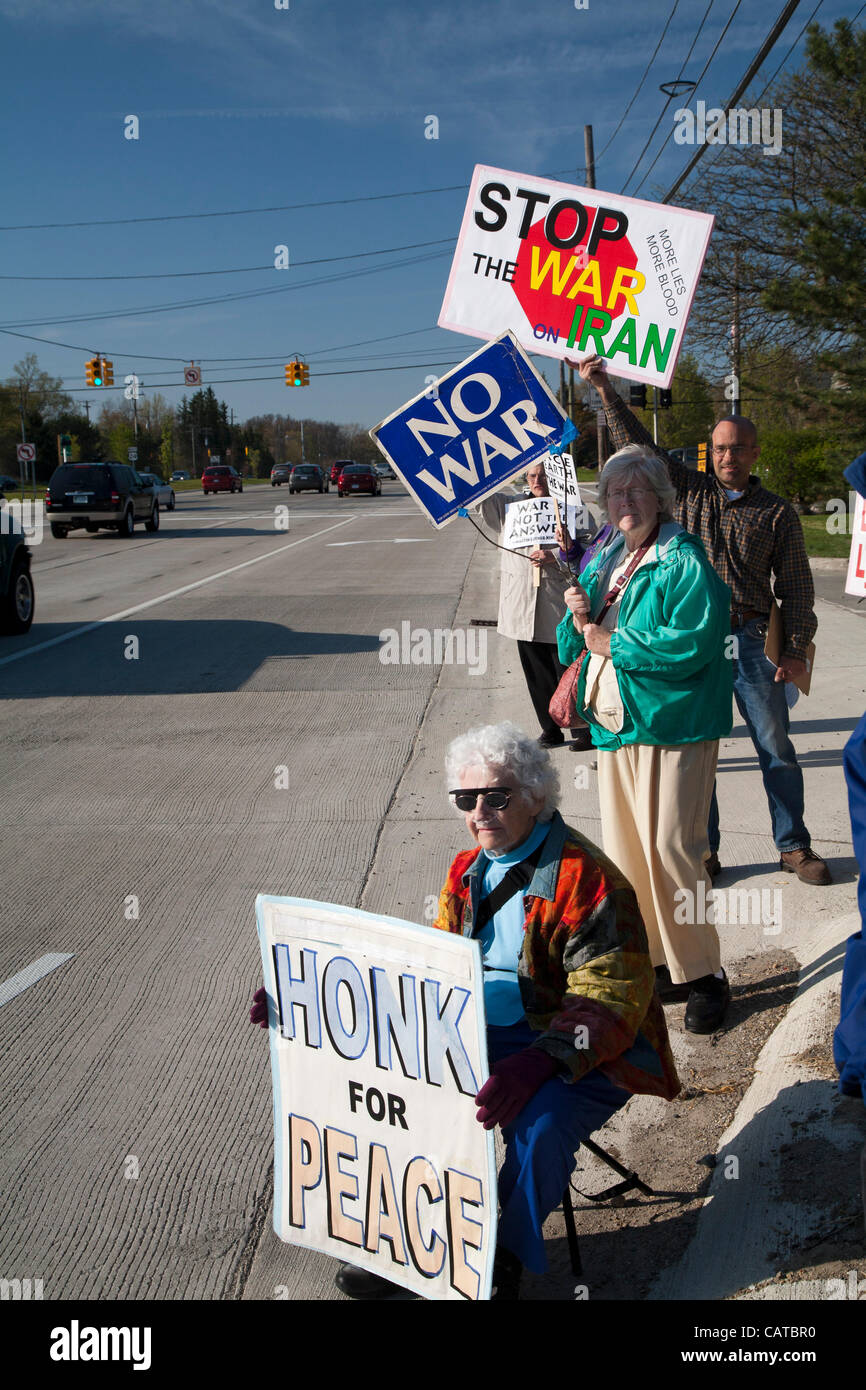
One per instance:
(219, 477)
(337, 468)
(359, 477)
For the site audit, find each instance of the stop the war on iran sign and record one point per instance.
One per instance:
(461, 439)
(378, 1049)
(575, 271)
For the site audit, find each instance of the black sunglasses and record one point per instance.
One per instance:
(495, 798)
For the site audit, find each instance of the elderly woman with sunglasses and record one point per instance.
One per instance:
(574, 1023)
(652, 617)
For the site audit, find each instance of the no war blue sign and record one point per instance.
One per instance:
(464, 437)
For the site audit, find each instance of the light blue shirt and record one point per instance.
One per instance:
(502, 938)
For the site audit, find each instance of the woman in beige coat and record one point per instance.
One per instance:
(530, 615)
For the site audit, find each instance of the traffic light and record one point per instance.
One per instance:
(107, 372)
(293, 374)
(702, 458)
(305, 374)
(666, 400)
(92, 371)
(637, 397)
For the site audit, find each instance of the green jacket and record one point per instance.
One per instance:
(671, 650)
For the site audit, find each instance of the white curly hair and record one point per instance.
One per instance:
(506, 746)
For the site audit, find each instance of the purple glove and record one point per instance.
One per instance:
(259, 1011)
(514, 1082)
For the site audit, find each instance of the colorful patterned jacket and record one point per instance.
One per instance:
(584, 970)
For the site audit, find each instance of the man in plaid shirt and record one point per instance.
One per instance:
(751, 536)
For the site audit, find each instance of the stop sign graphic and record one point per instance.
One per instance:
(553, 285)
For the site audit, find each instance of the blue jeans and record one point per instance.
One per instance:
(541, 1143)
(761, 701)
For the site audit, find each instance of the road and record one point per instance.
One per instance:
(170, 687)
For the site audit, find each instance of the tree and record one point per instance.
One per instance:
(788, 247)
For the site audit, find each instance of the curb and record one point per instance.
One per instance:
(740, 1220)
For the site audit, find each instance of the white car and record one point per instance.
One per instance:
(164, 491)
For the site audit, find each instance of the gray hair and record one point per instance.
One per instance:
(636, 461)
(506, 746)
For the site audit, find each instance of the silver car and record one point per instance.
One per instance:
(164, 491)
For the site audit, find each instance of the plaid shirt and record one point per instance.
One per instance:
(748, 540)
(584, 970)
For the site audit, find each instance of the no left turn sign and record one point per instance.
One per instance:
(192, 375)
(26, 453)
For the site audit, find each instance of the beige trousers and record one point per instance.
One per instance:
(654, 807)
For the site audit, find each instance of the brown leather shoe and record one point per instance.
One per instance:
(806, 864)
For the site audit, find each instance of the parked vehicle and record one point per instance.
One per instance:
(221, 477)
(359, 477)
(17, 598)
(93, 495)
(307, 476)
(164, 491)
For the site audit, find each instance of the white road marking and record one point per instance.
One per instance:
(163, 598)
(398, 540)
(16, 984)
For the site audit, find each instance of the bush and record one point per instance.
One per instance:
(801, 465)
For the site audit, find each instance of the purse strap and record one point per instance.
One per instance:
(613, 594)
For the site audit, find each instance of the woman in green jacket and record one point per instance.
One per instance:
(655, 686)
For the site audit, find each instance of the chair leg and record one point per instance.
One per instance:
(571, 1233)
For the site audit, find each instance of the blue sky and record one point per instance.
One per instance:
(242, 105)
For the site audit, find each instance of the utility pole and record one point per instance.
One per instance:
(735, 335)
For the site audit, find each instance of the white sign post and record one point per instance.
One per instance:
(377, 1052)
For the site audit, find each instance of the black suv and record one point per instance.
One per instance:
(16, 584)
(111, 495)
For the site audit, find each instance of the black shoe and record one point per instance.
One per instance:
(668, 992)
(712, 865)
(507, 1270)
(552, 740)
(362, 1283)
(708, 1002)
(581, 740)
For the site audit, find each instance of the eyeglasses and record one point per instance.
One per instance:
(735, 449)
(620, 494)
(495, 798)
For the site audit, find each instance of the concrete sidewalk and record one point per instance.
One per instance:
(747, 1227)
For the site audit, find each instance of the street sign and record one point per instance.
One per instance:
(216, 458)
(192, 375)
(489, 418)
(26, 453)
(132, 455)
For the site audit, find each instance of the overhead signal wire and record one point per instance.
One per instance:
(663, 145)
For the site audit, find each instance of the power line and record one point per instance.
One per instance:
(221, 299)
(640, 84)
(248, 212)
(697, 83)
(754, 66)
(679, 75)
(239, 270)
